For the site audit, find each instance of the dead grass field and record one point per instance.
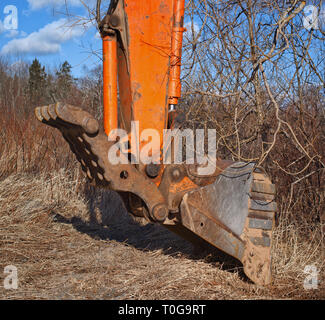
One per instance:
(70, 241)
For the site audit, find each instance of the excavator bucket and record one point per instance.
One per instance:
(236, 214)
(232, 209)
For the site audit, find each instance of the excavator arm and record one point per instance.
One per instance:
(232, 208)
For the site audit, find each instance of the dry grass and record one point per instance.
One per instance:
(73, 243)
(27, 146)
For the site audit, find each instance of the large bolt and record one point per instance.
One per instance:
(160, 213)
(152, 170)
(114, 21)
(176, 174)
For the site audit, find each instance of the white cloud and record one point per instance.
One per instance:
(45, 41)
(12, 34)
(40, 4)
(15, 34)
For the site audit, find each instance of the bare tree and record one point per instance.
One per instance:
(256, 73)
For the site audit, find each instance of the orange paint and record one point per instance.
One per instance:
(143, 86)
(185, 185)
(174, 92)
(148, 66)
(110, 83)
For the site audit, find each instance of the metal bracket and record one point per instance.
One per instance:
(116, 22)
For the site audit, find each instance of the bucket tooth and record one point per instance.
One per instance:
(257, 260)
(38, 114)
(51, 111)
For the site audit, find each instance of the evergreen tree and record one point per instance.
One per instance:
(64, 80)
(36, 83)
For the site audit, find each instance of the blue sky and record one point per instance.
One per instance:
(45, 32)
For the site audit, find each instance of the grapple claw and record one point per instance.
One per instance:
(91, 145)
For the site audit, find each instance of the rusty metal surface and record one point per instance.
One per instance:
(218, 212)
(259, 205)
(258, 186)
(179, 179)
(174, 184)
(198, 220)
(263, 224)
(261, 241)
(81, 130)
(226, 200)
(221, 214)
(116, 21)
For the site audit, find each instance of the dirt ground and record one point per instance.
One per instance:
(69, 242)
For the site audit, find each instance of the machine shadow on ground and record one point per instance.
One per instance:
(110, 221)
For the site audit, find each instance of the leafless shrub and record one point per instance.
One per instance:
(254, 73)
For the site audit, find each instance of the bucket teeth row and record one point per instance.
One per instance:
(56, 114)
(258, 230)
